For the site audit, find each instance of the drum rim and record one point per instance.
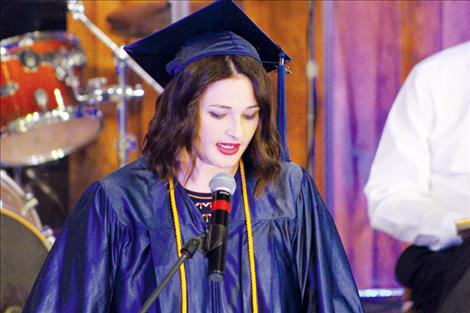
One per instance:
(28, 225)
(35, 119)
(9, 43)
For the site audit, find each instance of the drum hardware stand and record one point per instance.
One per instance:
(122, 93)
(28, 197)
(48, 234)
(46, 190)
(29, 200)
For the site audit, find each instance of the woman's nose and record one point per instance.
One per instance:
(235, 130)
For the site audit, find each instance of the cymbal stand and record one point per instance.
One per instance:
(122, 93)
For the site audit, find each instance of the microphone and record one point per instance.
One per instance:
(222, 186)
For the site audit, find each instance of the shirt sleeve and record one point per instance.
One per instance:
(326, 281)
(77, 274)
(397, 191)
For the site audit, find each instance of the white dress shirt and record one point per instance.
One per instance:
(419, 183)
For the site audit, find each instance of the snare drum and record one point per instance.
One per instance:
(39, 117)
(23, 248)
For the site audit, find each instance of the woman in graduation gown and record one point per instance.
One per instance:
(215, 115)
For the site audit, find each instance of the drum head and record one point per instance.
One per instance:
(22, 252)
(49, 138)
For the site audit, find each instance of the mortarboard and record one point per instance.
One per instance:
(220, 28)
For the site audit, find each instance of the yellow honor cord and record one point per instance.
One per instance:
(249, 232)
(179, 246)
(251, 251)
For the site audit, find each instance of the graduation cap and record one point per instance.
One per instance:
(220, 28)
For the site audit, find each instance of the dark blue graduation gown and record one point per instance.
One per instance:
(119, 242)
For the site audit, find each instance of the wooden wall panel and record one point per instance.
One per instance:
(318, 158)
(286, 23)
(100, 158)
(420, 31)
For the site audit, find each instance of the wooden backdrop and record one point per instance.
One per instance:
(284, 21)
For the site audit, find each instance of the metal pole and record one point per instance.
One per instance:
(125, 142)
(123, 146)
(78, 13)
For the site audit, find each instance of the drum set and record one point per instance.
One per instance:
(40, 121)
(46, 113)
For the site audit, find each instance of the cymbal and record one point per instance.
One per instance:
(135, 21)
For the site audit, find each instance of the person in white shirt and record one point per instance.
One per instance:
(419, 183)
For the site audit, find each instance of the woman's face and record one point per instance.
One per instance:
(228, 118)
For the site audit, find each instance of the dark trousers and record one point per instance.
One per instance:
(434, 277)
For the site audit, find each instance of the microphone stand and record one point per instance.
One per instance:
(194, 244)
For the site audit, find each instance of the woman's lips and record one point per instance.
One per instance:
(228, 148)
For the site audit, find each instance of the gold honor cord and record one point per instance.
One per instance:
(179, 246)
(251, 248)
(251, 252)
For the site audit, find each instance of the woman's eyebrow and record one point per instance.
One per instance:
(221, 106)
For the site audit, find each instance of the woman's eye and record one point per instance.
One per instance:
(251, 116)
(217, 115)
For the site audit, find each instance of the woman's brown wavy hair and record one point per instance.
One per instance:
(175, 124)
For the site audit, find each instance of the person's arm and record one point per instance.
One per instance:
(398, 195)
(325, 276)
(77, 274)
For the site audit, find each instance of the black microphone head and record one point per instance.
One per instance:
(223, 181)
